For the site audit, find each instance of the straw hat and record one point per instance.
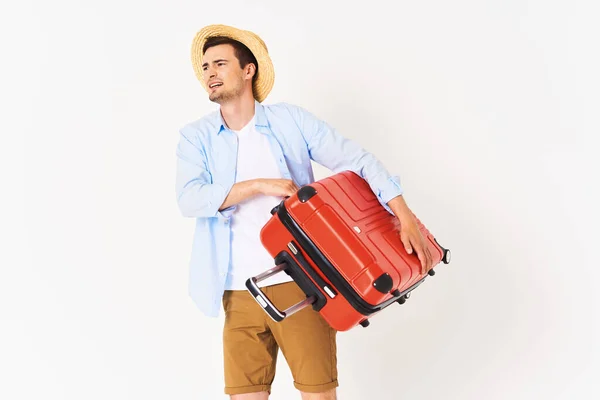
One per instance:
(266, 74)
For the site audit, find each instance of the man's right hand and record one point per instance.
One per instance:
(276, 187)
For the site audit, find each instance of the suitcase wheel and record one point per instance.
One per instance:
(446, 258)
(403, 299)
(431, 272)
(365, 323)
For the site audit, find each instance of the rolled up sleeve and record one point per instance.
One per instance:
(337, 153)
(197, 195)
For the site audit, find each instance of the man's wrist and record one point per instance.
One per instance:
(400, 208)
(257, 186)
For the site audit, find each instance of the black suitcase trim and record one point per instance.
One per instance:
(328, 269)
(297, 273)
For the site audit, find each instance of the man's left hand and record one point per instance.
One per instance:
(410, 234)
(414, 242)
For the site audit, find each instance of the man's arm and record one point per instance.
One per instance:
(400, 208)
(330, 149)
(197, 196)
(240, 192)
(337, 153)
(247, 189)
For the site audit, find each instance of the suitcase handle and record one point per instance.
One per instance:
(276, 314)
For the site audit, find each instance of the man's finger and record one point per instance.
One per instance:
(423, 259)
(406, 243)
(426, 261)
(430, 258)
(421, 256)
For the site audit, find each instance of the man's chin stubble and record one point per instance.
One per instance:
(220, 98)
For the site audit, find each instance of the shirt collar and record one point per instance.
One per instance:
(259, 120)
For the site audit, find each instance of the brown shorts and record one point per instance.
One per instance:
(251, 340)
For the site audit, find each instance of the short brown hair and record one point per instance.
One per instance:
(243, 53)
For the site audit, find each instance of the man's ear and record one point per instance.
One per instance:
(250, 70)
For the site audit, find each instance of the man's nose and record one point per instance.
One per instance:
(210, 72)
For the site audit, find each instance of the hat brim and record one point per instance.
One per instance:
(266, 73)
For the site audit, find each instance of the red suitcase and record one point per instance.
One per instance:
(343, 248)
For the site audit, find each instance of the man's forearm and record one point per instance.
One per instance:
(400, 208)
(240, 192)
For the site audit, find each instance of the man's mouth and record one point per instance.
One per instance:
(214, 85)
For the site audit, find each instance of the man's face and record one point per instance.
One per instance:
(222, 73)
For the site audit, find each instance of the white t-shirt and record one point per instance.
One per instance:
(248, 256)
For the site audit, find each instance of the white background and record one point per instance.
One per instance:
(487, 110)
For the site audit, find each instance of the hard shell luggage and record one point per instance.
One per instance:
(343, 248)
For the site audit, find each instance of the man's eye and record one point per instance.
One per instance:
(221, 64)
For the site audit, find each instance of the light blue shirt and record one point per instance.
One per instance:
(206, 171)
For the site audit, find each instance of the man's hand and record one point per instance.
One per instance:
(410, 234)
(277, 187)
(414, 242)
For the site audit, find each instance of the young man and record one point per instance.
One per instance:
(234, 166)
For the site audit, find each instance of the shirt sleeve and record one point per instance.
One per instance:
(197, 195)
(337, 153)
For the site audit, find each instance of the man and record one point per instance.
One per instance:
(234, 165)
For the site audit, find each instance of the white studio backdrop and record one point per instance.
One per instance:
(484, 108)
